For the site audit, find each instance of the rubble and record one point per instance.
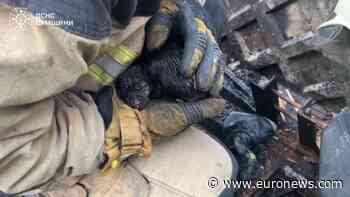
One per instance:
(325, 90)
(276, 35)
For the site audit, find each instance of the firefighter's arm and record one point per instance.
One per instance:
(47, 132)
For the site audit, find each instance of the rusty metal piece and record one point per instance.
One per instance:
(315, 115)
(309, 118)
(320, 123)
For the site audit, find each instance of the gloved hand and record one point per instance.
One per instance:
(129, 131)
(202, 56)
(243, 132)
(167, 119)
(162, 117)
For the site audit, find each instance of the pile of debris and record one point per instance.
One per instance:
(293, 152)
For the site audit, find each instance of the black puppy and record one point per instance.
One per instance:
(154, 76)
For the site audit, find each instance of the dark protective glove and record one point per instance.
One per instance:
(162, 116)
(168, 118)
(187, 21)
(242, 132)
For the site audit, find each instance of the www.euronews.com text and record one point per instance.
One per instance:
(267, 184)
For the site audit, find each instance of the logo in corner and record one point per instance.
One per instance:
(19, 18)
